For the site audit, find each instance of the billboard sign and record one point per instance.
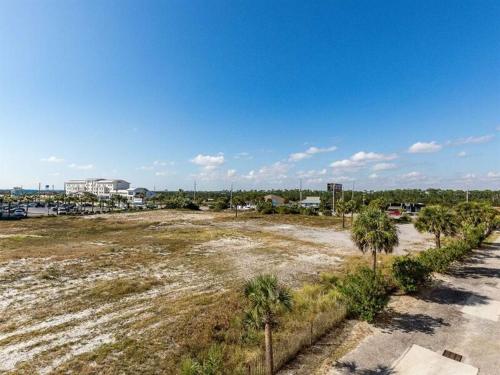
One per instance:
(334, 187)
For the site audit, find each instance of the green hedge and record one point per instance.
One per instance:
(364, 292)
(409, 273)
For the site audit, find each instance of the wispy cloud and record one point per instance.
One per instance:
(413, 176)
(424, 147)
(493, 175)
(383, 166)
(474, 140)
(310, 152)
(52, 159)
(243, 155)
(81, 166)
(462, 154)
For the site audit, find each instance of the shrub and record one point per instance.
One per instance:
(364, 292)
(265, 208)
(211, 365)
(409, 273)
(404, 219)
(308, 211)
(437, 260)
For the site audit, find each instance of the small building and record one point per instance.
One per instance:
(310, 202)
(134, 195)
(276, 200)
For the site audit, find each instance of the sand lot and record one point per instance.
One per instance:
(75, 292)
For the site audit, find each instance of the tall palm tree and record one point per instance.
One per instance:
(267, 298)
(374, 231)
(341, 208)
(437, 220)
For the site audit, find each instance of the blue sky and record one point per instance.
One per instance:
(259, 94)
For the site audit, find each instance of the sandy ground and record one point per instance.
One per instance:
(47, 314)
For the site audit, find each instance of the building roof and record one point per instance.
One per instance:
(311, 200)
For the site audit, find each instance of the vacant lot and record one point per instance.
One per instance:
(106, 293)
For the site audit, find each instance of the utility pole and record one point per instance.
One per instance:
(194, 195)
(39, 192)
(231, 197)
(333, 197)
(300, 189)
(467, 195)
(352, 192)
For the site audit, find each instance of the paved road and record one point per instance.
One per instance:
(460, 313)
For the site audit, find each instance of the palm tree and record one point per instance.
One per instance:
(352, 208)
(374, 231)
(437, 220)
(341, 208)
(267, 298)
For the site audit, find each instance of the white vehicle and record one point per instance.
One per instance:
(19, 213)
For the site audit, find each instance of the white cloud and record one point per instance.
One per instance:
(479, 139)
(52, 159)
(208, 161)
(269, 173)
(373, 176)
(424, 147)
(161, 163)
(145, 168)
(346, 164)
(372, 156)
(469, 176)
(82, 166)
(160, 173)
(54, 174)
(310, 152)
(462, 154)
(493, 175)
(412, 176)
(383, 166)
(312, 173)
(231, 172)
(360, 159)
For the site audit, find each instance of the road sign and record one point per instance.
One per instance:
(334, 187)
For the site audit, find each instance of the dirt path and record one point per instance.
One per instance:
(460, 313)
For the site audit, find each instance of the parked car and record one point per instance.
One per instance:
(62, 211)
(19, 213)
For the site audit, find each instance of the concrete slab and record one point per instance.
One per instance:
(421, 361)
(489, 309)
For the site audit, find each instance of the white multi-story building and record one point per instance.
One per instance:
(99, 186)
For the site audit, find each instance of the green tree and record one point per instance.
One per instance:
(238, 201)
(342, 208)
(437, 220)
(267, 299)
(374, 231)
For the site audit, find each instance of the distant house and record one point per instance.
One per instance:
(276, 200)
(310, 202)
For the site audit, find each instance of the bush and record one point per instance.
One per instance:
(265, 208)
(404, 219)
(211, 365)
(409, 273)
(437, 260)
(308, 211)
(364, 292)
